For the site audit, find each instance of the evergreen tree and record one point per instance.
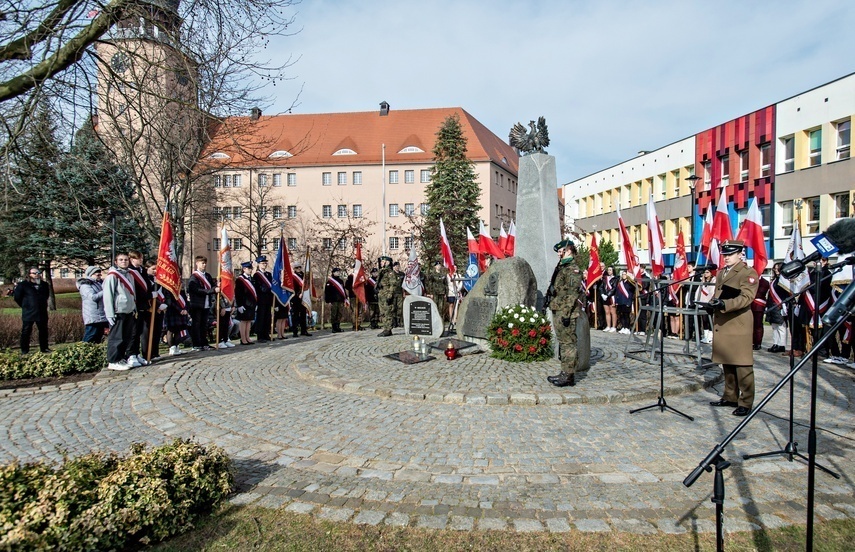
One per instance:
(452, 195)
(608, 254)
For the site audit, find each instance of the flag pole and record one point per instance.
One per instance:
(217, 310)
(151, 331)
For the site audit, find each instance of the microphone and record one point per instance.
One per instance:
(845, 262)
(841, 234)
(841, 307)
(704, 267)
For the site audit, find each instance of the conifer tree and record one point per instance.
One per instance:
(452, 194)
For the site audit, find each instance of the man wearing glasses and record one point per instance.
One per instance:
(32, 296)
(733, 324)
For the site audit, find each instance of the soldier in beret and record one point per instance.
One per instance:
(564, 299)
(733, 323)
(387, 286)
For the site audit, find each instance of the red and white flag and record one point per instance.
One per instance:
(751, 234)
(445, 248)
(706, 233)
(512, 239)
(630, 259)
(166, 272)
(681, 266)
(359, 275)
(655, 241)
(503, 237)
(795, 252)
(721, 229)
(595, 271)
(308, 284)
(487, 245)
(227, 275)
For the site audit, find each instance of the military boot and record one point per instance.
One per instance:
(385, 333)
(563, 380)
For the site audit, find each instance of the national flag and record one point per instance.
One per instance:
(706, 233)
(681, 266)
(721, 229)
(308, 284)
(227, 275)
(655, 241)
(795, 252)
(359, 275)
(595, 270)
(412, 283)
(445, 248)
(630, 259)
(166, 272)
(472, 271)
(283, 276)
(487, 245)
(751, 234)
(512, 239)
(503, 237)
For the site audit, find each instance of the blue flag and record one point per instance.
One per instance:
(471, 272)
(283, 277)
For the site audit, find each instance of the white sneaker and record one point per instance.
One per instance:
(835, 360)
(228, 344)
(625, 331)
(640, 333)
(222, 345)
(120, 366)
(133, 362)
(142, 361)
(175, 350)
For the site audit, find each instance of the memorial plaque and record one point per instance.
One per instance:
(410, 357)
(421, 318)
(479, 313)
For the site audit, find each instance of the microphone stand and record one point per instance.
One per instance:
(791, 448)
(660, 403)
(715, 456)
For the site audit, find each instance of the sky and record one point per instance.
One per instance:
(611, 77)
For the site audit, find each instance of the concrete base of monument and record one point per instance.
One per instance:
(356, 364)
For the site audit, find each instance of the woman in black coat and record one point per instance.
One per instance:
(32, 296)
(246, 299)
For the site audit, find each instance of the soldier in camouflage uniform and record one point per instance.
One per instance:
(564, 298)
(387, 287)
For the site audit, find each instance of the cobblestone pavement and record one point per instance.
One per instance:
(326, 426)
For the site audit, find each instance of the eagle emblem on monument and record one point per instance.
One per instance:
(533, 140)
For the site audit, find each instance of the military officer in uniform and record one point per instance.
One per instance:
(564, 299)
(387, 287)
(373, 301)
(263, 284)
(335, 295)
(398, 296)
(733, 323)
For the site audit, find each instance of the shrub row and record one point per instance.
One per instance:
(106, 502)
(77, 357)
(63, 327)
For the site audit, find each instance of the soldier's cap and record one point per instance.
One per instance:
(562, 244)
(336, 269)
(437, 262)
(373, 270)
(247, 264)
(385, 258)
(261, 259)
(396, 263)
(732, 246)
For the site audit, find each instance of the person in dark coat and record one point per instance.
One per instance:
(202, 291)
(336, 296)
(624, 299)
(373, 299)
(263, 310)
(246, 300)
(143, 286)
(299, 313)
(32, 296)
(177, 322)
(735, 289)
(777, 310)
(758, 309)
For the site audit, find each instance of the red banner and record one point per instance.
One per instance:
(359, 275)
(167, 273)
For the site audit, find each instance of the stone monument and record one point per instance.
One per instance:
(422, 317)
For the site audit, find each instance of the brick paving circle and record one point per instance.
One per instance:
(326, 426)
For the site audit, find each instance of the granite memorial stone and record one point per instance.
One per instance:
(422, 317)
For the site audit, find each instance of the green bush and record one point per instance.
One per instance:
(101, 502)
(77, 357)
(520, 334)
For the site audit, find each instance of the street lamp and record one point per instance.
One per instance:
(693, 182)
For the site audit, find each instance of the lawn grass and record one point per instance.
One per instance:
(252, 528)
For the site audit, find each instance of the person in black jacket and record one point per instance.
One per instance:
(246, 301)
(32, 296)
(299, 313)
(202, 291)
(262, 279)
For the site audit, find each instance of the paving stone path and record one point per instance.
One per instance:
(326, 426)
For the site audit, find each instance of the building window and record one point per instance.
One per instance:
(423, 208)
(725, 171)
(227, 181)
(812, 223)
(342, 178)
(765, 211)
(276, 242)
(277, 211)
(226, 212)
(425, 176)
(661, 182)
(393, 243)
(787, 218)
(262, 212)
(843, 139)
(408, 242)
(409, 177)
(409, 209)
(237, 243)
(292, 211)
(357, 178)
(327, 244)
(277, 179)
(217, 243)
(765, 160)
(393, 209)
(676, 185)
(292, 243)
(342, 244)
(236, 181)
(326, 179)
(393, 177)
(262, 180)
(327, 211)
(788, 145)
(707, 175)
(237, 212)
(292, 179)
(63, 273)
(841, 205)
(342, 211)
(357, 211)
(218, 181)
(743, 166)
(815, 140)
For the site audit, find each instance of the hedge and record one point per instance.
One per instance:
(107, 502)
(77, 357)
